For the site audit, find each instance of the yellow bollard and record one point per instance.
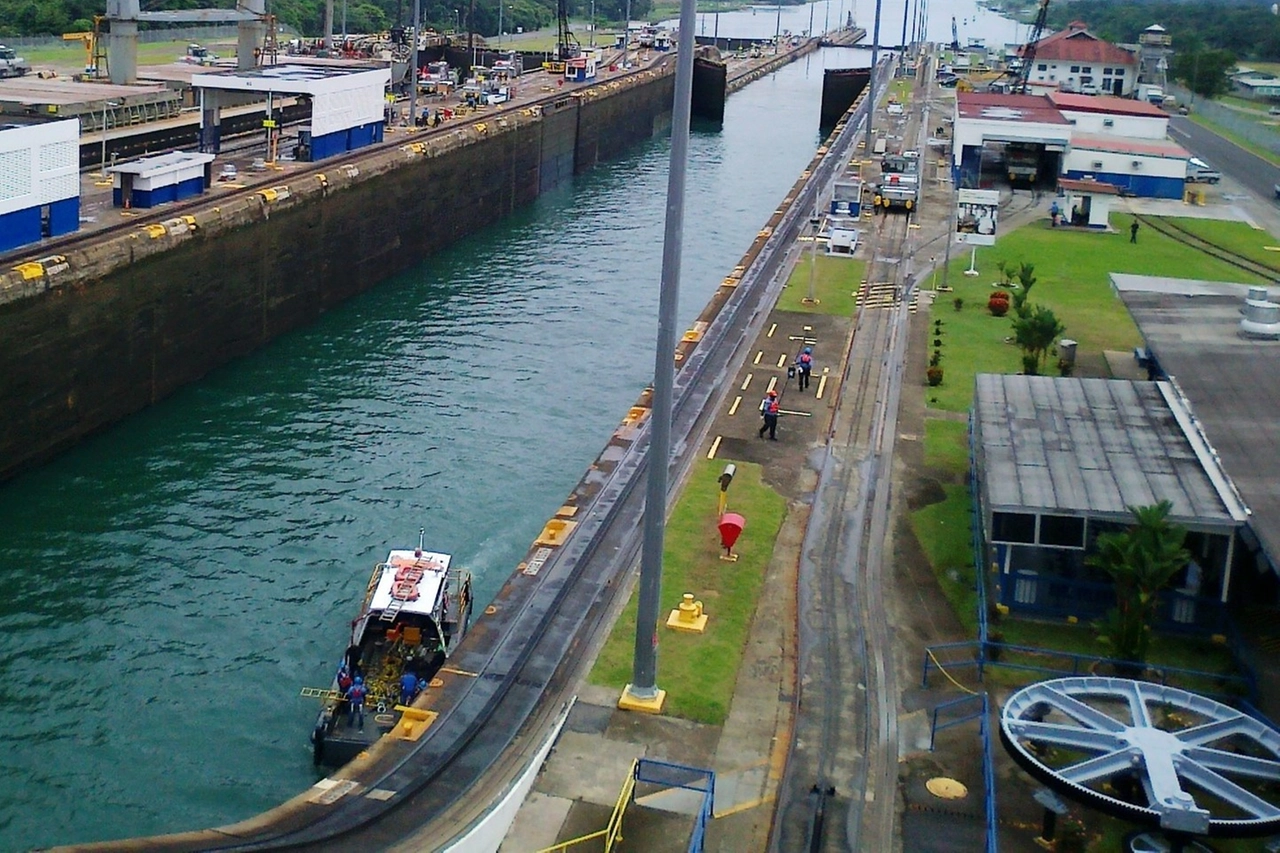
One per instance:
(688, 616)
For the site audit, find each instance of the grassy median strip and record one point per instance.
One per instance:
(835, 285)
(699, 671)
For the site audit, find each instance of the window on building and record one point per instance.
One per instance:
(1119, 72)
(1063, 531)
(1108, 122)
(1106, 72)
(1042, 67)
(1085, 80)
(1013, 527)
(1088, 69)
(1053, 77)
(1075, 69)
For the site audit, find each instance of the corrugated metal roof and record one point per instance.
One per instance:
(1232, 383)
(1090, 447)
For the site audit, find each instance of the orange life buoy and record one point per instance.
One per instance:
(412, 574)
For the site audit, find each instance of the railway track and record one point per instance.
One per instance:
(839, 791)
(1183, 235)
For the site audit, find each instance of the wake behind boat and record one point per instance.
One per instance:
(416, 610)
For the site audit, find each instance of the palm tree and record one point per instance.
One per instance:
(1141, 561)
(1035, 328)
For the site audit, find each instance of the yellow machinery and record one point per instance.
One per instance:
(95, 50)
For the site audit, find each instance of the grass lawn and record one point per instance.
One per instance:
(699, 671)
(835, 281)
(1236, 236)
(1081, 638)
(1072, 279)
(946, 446)
(943, 532)
(152, 53)
(900, 90)
(1269, 156)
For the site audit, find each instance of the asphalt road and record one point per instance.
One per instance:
(1245, 168)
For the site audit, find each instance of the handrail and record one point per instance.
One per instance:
(983, 715)
(612, 833)
(931, 662)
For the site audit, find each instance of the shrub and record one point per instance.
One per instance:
(934, 375)
(998, 303)
(958, 303)
(1030, 365)
(936, 359)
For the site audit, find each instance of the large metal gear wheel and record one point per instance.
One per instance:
(1148, 753)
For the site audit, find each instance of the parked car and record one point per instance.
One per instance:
(1090, 89)
(1198, 171)
(228, 172)
(1274, 111)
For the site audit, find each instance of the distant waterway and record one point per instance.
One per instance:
(762, 22)
(167, 588)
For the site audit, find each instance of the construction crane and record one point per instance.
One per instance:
(567, 46)
(1029, 51)
(95, 49)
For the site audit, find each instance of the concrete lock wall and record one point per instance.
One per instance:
(123, 322)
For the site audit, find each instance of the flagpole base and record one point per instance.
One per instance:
(629, 701)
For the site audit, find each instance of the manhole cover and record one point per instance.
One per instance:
(946, 789)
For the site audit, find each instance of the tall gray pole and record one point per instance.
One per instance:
(777, 29)
(826, 18)
(811, 20)
(413, 72)
(643, 687)
(871, 84)
(501, 3)
(328, 25)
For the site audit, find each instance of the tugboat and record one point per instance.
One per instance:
(415, 612)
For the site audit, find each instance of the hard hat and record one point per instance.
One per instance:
(359, 680)
(773, 393)
(808, 350)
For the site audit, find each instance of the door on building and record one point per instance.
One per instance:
(46, 221)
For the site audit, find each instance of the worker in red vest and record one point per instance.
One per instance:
(769, 407)
(804, 364)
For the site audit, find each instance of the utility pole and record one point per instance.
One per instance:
(810, 20)
(871, 84)
(642, 693)
(777, 29)
(344, 21)
(413, 72)
(501, 3)
(592, 38)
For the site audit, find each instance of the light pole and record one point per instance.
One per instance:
(457, 20)
(814, 222)
(105, 106)
(643, 693)
(501, 3)
(413, 72)
(777, 29)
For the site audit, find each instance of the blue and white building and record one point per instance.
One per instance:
(39, 182)
(155, 180)
(347, 102)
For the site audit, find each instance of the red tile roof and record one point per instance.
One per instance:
(1081, 46)
(1095, 187)
(1129, 145)
(1109, 104)
(992, 106)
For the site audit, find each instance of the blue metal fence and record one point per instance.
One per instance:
(966, 712)
(691, 779)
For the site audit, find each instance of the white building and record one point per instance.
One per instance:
(1153, 168)
(347, 102)
(987, 117)
(39, 182)
(1108, 115)
(1075, 60)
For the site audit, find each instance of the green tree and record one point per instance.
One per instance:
(1034, 331)
(1141, 561)
(1025, 274)
(1204, 71)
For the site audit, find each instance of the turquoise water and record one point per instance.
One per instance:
(168, 587)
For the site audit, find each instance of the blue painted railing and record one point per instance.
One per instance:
(691, 779)
(982, 713)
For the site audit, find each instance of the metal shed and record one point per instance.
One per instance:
(1058, 461)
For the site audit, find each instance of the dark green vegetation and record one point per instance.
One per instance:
(1247, 30)
(54, 17)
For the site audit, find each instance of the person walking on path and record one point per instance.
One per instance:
(1133, 231)
(1054, 213)
(804, 362)
(769, 411)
